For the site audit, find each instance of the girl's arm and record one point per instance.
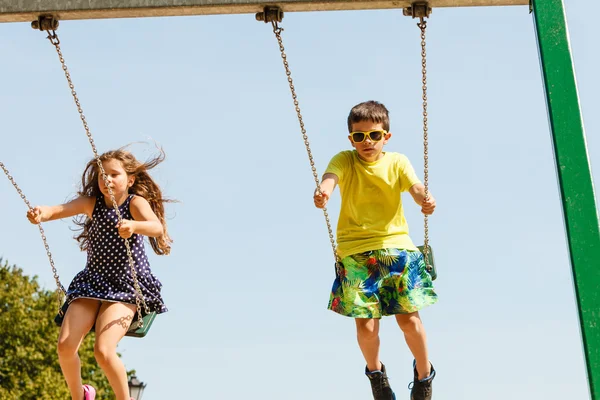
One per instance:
(80, 205)
(145, 222)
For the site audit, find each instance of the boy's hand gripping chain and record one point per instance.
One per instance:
(50, 24)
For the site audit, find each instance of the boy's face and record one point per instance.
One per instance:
(369, 150)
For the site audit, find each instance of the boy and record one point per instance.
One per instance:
(383, 272)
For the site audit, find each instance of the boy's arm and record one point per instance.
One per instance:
(417, 191)
(329, 183)
(327, 186)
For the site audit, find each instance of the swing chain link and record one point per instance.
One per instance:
(60, 290)
(277, 30)
(139, 298)
(423, 27)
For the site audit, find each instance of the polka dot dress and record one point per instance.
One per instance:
(107, 275)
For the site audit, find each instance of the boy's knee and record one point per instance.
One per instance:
(410, 324)
(366, 329)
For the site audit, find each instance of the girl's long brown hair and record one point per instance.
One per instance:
(143, 186)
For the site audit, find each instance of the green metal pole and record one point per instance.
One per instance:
(574, 175)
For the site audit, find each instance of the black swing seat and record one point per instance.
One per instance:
(431, 265)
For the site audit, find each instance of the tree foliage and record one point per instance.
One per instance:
(29, 367)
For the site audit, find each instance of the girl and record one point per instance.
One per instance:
(103, 294)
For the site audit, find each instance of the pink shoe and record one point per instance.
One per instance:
(89, 393)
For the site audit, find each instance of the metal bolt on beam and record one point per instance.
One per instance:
(45, 23)
(418, 9)
(270, 14)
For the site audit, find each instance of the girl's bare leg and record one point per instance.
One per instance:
(77, 322)
(111, 325)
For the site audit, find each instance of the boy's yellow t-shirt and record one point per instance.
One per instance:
(371, 214)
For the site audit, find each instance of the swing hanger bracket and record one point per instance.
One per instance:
(45, 22)
(270, 14)
(418, 9)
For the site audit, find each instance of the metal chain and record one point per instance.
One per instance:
(139, 298)
(423, 27)
(277, 30)
(60, 290)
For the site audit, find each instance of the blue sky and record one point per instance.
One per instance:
(249, 277)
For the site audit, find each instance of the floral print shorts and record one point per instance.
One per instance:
(382, 282)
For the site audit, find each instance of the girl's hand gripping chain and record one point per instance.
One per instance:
(126, 228)
(37, 215)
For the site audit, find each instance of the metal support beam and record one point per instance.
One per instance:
(574, 175)
(30, 10)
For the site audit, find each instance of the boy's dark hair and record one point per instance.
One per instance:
(369, 111)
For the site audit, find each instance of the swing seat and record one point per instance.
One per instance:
(431, 266)
(148, 319)
(134, 330)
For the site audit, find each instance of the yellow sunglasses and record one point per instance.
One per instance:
(375, 136)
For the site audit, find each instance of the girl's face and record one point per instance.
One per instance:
(118, 180)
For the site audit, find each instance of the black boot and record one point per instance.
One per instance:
(380, 384)
(421, 389)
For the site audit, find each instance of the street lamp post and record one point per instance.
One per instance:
(136, 388)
